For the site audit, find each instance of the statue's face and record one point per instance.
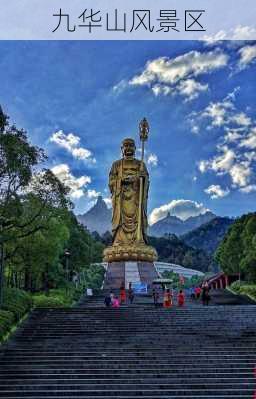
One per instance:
(128, 149)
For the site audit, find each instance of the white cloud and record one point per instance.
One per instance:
(244, 33)
(180, 208)
(218, 112)
(238, 33)
(250, 140)
(153, 159)
(224, 114)
(241, 119)
(233, 135)
(92, 193)
(190, 88)
(247, 55)
(228, 163)
(176, 75)
(71, 143)
(239, 133)
(215, 191)
(77, 185)
(224, 161)
(159, 89)
(120, 87)
(171, 71)
(195, 129)
(240, 173)
(220, 163)
(250, 156)
(108, 202)
(248, 189)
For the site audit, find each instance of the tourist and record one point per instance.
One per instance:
(130, 294)
(107, 301)
(115, 303)
(167, 299)
(198, 292)
(112, 296)
(155, 295)
(192, 293)
(206, 295)
(181, 298)
(122, 294)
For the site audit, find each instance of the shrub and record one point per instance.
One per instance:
(43, 301)
(248, 289)
(236, 285)
(17, 301)
(6, 321)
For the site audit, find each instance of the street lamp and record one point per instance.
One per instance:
(67, 255)
(2, 223)
(1, 273)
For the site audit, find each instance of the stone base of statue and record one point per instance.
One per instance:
(134, 252)
(124, 273)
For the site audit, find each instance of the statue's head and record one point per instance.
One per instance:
(128, 148)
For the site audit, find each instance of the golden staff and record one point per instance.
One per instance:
(144, 130)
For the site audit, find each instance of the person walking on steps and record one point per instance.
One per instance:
(112, 296)
(198, 292)
(167, 299)
(122, 294)
(130, 294)
(116, 303)
(206, 295)
(181, 298)
(155, 295)
(107, 301)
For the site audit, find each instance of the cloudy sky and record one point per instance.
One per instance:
(78, 100)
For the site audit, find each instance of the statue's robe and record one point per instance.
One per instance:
(125, 201)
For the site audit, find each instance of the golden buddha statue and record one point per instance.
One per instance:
(129, 184)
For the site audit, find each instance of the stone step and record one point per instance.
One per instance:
(211, 395)
(132, 352)
(17, 383)
(126, 356)
(185, 390)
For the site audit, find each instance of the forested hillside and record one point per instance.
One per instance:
(237, 252)
(209, 235)
(174, 250)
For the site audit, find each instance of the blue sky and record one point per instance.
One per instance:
(78, 100)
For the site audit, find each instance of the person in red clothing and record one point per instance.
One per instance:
(198, 292)
(167, 299)
(122, 294)
(181, 298)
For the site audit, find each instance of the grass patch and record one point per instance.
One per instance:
(243, 288)
(59, 297)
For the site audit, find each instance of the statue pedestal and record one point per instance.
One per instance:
(129, 272)
(137, 252)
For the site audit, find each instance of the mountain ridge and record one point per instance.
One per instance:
(208, 236)
(173, 225)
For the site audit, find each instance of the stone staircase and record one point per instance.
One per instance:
(132, 352)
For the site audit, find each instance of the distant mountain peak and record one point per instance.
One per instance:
(98, 218)
(171, 224)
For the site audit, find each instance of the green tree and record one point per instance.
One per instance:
(236, 253)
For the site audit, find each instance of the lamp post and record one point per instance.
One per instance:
(1, 261)
(67, 255)
(1, 273)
